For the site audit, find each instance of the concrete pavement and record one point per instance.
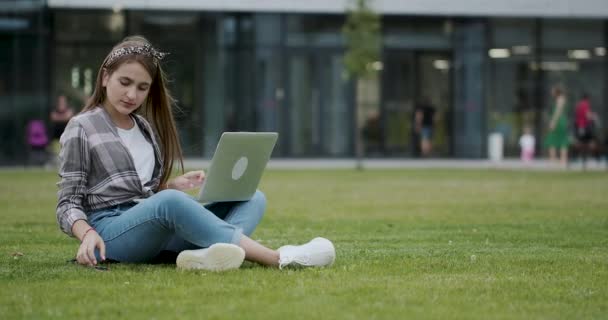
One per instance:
(392, 163)
(317, 163)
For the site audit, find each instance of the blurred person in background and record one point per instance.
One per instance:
(424, 120)
(527, 143)
(372, 132)
(37, 141)
(557, 137)
(116, 194)
(584, 126)
(59, 116)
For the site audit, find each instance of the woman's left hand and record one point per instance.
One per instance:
(187, 181)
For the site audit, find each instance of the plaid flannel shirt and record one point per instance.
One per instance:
(97, 170)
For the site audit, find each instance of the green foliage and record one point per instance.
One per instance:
(411, 244)
(363, 40)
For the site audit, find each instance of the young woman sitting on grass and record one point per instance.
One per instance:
(121, 148)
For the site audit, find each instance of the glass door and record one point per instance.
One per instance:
(434, 87)
(398, 96)
(412, 78)
(317, 99)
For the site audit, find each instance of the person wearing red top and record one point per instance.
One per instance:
(584, 121)
(583, 117)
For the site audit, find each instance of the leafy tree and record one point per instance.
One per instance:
(362, 33)
(361, 60)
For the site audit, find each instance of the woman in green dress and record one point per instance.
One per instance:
(557, 138)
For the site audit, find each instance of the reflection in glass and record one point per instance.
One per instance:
(428, 33)
(182, 66)
(303, 102)
(398, 100)
(576, 77)
(369, 120)
(570, 58)
(89, 26)
(435, 87)
(335, 119)
(572, 34)
(319, 118)
(511, 99)
(314, 30)
(75, 68)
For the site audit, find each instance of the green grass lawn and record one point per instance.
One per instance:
(458, 244)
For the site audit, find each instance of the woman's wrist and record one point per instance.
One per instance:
(79, 228)
(87, 232)
(167, 185)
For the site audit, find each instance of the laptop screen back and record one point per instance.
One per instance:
(237, 166)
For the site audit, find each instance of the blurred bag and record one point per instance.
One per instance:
(36, 134)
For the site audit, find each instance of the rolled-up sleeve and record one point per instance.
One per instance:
(73, 171)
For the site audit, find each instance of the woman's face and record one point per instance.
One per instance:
(62, 103)
(127, 87)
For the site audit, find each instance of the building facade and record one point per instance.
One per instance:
(278, 66)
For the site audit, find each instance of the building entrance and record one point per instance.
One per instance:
(410, 79)
(319, 115)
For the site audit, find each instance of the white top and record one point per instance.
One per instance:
(526, 142)
(141, 151)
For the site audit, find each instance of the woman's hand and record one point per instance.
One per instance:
(86, 252)
(189, 180)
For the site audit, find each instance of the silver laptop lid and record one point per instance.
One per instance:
(237, 166)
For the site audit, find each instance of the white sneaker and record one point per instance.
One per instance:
(319, 252)
(218, 257)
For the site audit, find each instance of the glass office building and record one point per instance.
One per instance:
(270, 69)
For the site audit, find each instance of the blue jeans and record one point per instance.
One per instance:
(172, 220)
(426, 132)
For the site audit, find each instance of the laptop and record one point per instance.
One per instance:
(237, 166)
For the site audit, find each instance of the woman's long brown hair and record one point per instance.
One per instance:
(157, 108)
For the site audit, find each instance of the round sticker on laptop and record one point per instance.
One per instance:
(239, 168)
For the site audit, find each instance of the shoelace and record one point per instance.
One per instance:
(302, 260)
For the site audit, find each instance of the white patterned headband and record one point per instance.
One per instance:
(146, 50)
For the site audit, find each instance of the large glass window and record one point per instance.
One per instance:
(314, 30)
(416, 71)
(229, 77)
(435, 87)
(23, 75)
(178, 34)
(82, 40)
(369, 117)
(239, 72)
(573, 56)
(270, 92)
(75, 70)
(319, 117)
(89, 25)
(319, 121)
(269, 88)
(430, 33)
(399, 96)
(511, 95)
